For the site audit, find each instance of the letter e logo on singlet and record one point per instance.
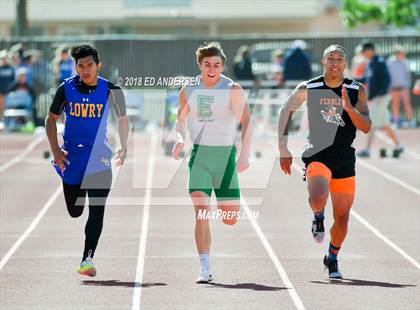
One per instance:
(204, 111)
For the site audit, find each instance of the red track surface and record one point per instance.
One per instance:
(40, 273)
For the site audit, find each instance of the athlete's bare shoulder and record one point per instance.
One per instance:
(236, 86)
(302, 85)
(297, 97)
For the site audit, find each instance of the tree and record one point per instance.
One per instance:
(400, 13)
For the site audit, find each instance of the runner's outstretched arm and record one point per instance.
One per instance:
(123, 130)
(181, 124)
(293, 103)
(241, 110)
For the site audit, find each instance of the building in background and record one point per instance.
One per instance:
(177, 17)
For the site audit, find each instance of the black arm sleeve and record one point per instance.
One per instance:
(59, 101)
(116, 99)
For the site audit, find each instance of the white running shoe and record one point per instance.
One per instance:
(205, 276)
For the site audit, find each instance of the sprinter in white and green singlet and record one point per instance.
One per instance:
(213, 110)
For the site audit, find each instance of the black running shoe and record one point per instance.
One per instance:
(318, 230)
(397, 151)
(332, 266)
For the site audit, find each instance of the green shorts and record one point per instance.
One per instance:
(214, 167)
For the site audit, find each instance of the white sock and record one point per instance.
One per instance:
(205, 261)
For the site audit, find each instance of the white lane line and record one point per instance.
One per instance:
(144, 228)
(377, 233)
(387, 176)
(22, 155)
(408, 151)
(31, 227)
(282, 272)
(385, 239)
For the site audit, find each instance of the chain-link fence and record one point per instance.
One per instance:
(139, 57)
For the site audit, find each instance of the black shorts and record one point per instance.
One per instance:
(341, 162)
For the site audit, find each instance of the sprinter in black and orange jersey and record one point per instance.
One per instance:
(336, 109)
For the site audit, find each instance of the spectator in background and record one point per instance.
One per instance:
(278, 68)
(378, 80)
(242, 65)
(7, 76)
(278, 57)
(14, 60)
(297, 64)
(399, 71)
(42, 79)
(27, 65)
(41, 68)
(63, 65)
(16, 54)
(358, 64)
(21, 86)
(416, 88)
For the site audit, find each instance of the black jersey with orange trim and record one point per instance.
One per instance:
(330, 127)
